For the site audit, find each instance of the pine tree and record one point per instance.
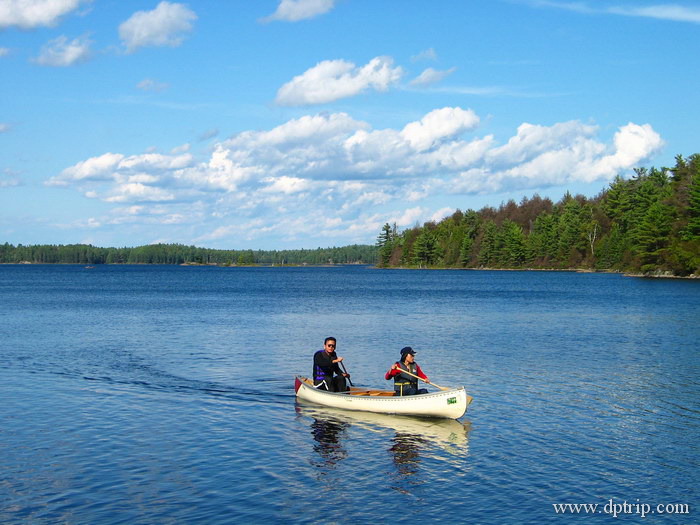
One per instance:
(692, 230)
(652, 235)
(384, 243)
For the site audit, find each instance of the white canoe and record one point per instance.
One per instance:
(451, 404)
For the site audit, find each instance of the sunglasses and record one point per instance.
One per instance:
(330, 345)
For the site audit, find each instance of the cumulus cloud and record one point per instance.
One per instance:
(438, 125)
(96, 168)
(4, 51)
(632, 143)
(295, 10)
(286, 184)
(431, 76)
(127, 172)
(166, 25)
(332, 80)
(441, 214)
(28, 14)
(61, 52)
(332, 176)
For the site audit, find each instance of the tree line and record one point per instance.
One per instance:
(648, 223)
(181, 254)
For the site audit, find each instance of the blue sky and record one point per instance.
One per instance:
(305, 123)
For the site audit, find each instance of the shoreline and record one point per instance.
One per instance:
(658, 274)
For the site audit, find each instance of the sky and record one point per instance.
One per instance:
(268, 124)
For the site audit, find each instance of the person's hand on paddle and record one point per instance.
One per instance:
(338, 360)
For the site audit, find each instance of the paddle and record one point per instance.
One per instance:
(346, 372)
(418, 377)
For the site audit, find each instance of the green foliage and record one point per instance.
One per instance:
(647, 223)
(181, 254)
(385, 243)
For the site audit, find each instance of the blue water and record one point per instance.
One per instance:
(156, 394)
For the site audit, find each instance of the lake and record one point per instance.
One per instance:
(164, 394)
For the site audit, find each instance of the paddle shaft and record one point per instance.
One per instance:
(345, 370)
(418, 377)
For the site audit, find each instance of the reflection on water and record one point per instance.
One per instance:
(328, 434)
(408, 440)
(450, 435)
(406, 454)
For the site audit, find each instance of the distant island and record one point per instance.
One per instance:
(181, 254)
(646, 225)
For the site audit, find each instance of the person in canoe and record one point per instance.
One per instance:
(405, 385)
(327, 373)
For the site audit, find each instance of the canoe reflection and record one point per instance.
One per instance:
(412, 438)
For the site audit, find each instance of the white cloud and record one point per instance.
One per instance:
(437, 125)
(332, 80)
(427, 54)
(533, 140)
(286, 184)
(148, 84)
(632, 144)
(431, 76)
(676, 13)
(166, 25)
(4, 127)
(8, 179)
(138, 192)
(542, 156)
(441, 214)
(97, 168)
(61, 52)
(672, 12)
(28, 14)
(295, 10)
(333, 177)
(409, 217)
(4, 51)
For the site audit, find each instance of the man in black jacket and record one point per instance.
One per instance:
(327, 373)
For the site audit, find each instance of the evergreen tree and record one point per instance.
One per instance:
(424, 249)
(512, 245)
(384, 243)
(652, 235)
(488, 256)
(692, 230)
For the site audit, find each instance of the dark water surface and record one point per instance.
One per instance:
(160, 394)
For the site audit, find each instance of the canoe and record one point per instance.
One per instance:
(451, 404)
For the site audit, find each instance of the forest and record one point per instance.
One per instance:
(181, 254)
(648, 224)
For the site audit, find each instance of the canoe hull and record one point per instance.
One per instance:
(451, 404)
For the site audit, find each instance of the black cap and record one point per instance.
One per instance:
(407, 350)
